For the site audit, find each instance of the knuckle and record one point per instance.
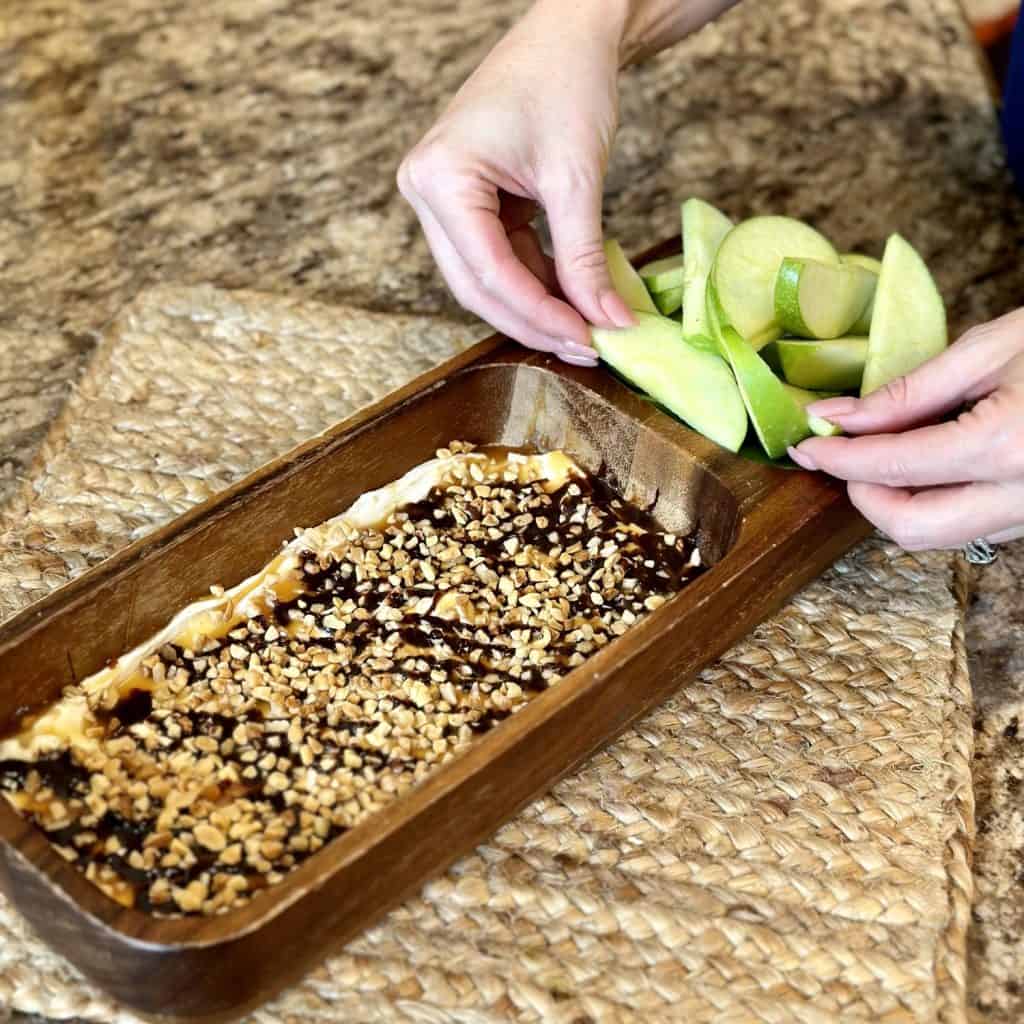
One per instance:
(422, 168)
(569, 180)
(586, 257)
(899, 392)
(894, 471)
(570, 187)
(996, 430)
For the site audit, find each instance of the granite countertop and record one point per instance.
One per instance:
(253, 143)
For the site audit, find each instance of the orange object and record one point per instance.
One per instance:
(992, 30)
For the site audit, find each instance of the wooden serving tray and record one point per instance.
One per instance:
(765, 531)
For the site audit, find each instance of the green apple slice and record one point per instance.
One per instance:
(833, 365)
(696, 386)
(856, 259)
(803, 398)
(821, 300)
(663, 275)
(908, 326)
(778, 420)
(704, 227)
(748, 263)
(668, 302)
(626, 281)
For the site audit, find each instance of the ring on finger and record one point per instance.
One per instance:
(980, 552)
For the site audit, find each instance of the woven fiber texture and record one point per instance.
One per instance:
(786, 839)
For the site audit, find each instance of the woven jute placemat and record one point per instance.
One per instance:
(786, 839)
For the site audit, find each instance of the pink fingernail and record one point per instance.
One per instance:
(578, 349)
(801, 458)
(575, 360)
(616, 310)
(829, 408)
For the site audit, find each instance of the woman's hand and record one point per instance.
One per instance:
(533, 125)
(937, 485)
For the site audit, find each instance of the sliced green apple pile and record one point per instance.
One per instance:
(773, 319)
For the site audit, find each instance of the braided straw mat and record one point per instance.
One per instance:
(787, 839)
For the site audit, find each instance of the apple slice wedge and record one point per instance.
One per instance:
(663, 275)
(821, 300)
(908, 326)
(817, 425)
(747, 265)
(869, 263)
(704, 227)
(777, 418)
(668, 302)
(626, 281)
(833, 365)
(694, 385)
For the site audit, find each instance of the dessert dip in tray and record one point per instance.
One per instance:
(262, 723)
(202, 793)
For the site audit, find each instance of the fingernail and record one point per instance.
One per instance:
(616, 309)
(577, 348)
(575, 360)
(801, 458)
(829, 408)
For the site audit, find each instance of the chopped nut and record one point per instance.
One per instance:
(210, 837)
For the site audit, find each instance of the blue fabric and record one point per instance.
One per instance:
(1013, 105)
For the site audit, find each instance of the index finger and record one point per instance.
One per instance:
(966, 371)
(468, 215)
(947, 453)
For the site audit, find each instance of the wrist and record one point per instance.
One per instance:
(656, 25)
(600, 23)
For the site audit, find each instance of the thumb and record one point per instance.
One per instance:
(574, 217)
(966, 371)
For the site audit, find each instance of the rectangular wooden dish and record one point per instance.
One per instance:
(765, 531)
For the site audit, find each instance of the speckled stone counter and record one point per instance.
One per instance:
(254, 142)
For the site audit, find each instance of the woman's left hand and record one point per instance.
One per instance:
(928, 484)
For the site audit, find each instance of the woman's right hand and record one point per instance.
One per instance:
(533, 126)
